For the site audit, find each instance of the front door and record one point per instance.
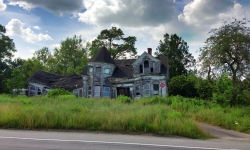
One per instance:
(123, 91)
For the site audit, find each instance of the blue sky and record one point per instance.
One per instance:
(34, 24)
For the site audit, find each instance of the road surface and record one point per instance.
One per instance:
(54, 140)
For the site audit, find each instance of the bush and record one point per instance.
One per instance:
(124, 99)
(57, 92)
(183, 85)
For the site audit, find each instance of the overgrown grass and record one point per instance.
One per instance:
(157, 115)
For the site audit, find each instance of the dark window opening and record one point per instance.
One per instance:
(146, 64)
(152, 69)
(146, 67)
(156, 89)
(141, 69)
(137, 90)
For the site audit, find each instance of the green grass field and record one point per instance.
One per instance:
(157, 115)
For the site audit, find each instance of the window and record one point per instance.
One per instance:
(156, 89)
(98, 70)
(146, 90)
(107, 70)
(146, 66)
(106, 91)
(151, 70)
(97, 91)
(90, 69)
(89, 91)
(141, 69)
(76, 92)
(137, 90)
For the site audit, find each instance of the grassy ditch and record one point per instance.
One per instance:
(66, 112)
(157, 115)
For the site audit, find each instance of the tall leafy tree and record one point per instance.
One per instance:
(42, 55)
(111, 39)
(17, 80)
(7, 48)
(228, 50)
(179, 58)
(69, 58)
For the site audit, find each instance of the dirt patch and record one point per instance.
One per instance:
(223, 133)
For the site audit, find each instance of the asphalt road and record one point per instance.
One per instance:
(53, 140)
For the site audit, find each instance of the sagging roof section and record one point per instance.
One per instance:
(68, 82)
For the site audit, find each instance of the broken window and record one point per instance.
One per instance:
(137, 90)
(156, 89)
(146, 66)
(141, 69)
(89, 92)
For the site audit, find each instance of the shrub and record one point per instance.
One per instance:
(124, 99)
(57, 92)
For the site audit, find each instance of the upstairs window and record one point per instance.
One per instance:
(98, 70)
(141, 69)
(90, 69)
(107, 71)
(146, 66)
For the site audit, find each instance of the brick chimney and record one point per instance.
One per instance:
(150, 51)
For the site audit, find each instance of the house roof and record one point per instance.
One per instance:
(44, 78)
(125, 68)
(68, 82)
(102, 56)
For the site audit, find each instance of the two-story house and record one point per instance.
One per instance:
(145, 76)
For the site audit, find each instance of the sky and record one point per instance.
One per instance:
(34, 24)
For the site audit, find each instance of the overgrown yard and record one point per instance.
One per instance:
(157, 115)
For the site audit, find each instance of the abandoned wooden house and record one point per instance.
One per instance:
(145, 76)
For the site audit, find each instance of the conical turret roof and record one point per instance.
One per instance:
(102, 56)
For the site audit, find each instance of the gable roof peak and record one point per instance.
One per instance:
(103, 56)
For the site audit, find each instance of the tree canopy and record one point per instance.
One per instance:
(179, 58)
(227, 50)
(69, 58)
(7, 48)
(111, 39)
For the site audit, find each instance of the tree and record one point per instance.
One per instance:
(176, 49)
(16, 81)
(42, 55)
(30, 67)
(110, 38)
(184, 85)
(70, 58)
(227, 50)
(7, 48)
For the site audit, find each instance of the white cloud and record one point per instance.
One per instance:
(2, 6)
(16, 27)
(37, 27)
(128, 13)
(204, 12)
(58, 7)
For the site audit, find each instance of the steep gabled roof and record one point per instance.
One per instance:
(125, 68)
(102, 56)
